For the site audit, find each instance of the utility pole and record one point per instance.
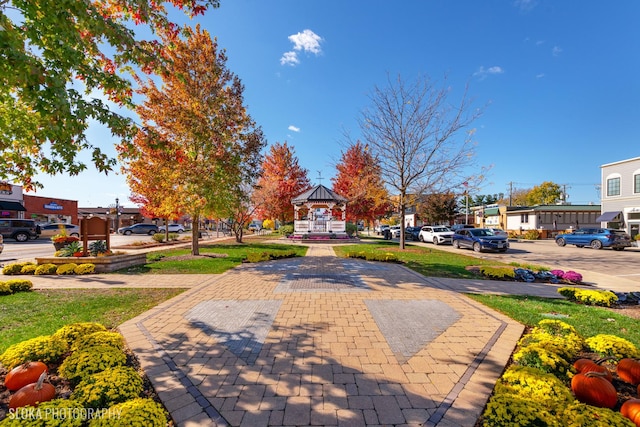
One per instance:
(510, 192)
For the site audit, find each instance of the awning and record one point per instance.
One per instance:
(11, 206)
(607, 216)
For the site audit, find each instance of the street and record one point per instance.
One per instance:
(42, 247)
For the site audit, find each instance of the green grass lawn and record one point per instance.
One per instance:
(215, 259)
(426, 261)
(26, 315)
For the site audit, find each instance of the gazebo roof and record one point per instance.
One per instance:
(318, 194)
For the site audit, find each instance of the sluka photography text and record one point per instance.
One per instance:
(30, 413)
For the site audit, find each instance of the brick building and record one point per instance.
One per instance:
(49, 209)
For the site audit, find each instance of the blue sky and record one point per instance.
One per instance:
(558, 81)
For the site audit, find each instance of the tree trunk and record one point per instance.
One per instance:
(195, 235)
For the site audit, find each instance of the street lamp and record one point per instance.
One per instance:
(117, 214)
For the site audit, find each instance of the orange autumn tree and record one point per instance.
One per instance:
(282, 179)
(359, 181)
(197, 147)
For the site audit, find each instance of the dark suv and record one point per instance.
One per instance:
(139, 229)
(20, 230)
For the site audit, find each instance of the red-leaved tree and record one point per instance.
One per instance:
(282, 179)
(359, 180)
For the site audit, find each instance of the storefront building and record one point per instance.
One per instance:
(46, 210)
(11, 202)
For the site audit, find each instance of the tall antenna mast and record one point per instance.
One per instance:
(320, 177)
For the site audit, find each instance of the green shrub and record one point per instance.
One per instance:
(257, 256)
(506, 410)
(612, 346)
(86, 268)
(5, 289)
(28, 269)
(100, 338)
(66, 269)
(135, 412)
(46, 349)
(43, 269)
(174, 236)
(19, 285)
(498, 272)
(15, 268)
(109, 387)
(82, 363)
(373, 256)
(351, 228)
(98, 247)
(72, 332)
(286, 229)
(158, 237)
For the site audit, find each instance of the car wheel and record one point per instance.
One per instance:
(21, 237)
(596, 244)
(421, 238)
(180, 231)
(435, 241)
(456, 244)
(127, 233)
(561, 241)
(477, 247)
(152, 232)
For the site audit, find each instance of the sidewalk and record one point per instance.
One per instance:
(319, 340)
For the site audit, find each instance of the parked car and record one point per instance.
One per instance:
(150, 229)
(395, 231)
(596, 238)
(412, 233)
(436, 234)
(50, 230)
(254, 227)
(379, 229)
(173, 228)
(479, 239)
(20, 230)
(456, 227)
(499, 231)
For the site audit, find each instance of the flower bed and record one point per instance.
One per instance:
(103, 264)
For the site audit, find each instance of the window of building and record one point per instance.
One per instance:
(524, 218)
(636, 183)
(613, 186)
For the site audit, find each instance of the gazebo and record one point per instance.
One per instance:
(320, 204)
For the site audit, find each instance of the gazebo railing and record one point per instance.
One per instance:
(319, 226)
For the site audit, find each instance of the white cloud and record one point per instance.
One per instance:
(482, 72)
(539, 76)
(289, 58)
(306, 41)
(556, 51)
(293, 128)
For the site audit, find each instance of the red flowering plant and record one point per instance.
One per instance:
(63, 238)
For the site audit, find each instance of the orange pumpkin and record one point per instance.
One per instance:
(580, 364)
(24, 374)
(631, 410)
(594, 389)
(33, 394)
(594, 367)
(629, 371)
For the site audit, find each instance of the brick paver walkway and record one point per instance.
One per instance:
(325, 341)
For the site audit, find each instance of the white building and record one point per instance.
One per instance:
(621, 195)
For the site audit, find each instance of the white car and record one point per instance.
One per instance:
(436, 234)
(395, 231)
(173, 228)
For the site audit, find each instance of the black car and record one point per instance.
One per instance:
(150, 229)
(480, 239)
(412, 233)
